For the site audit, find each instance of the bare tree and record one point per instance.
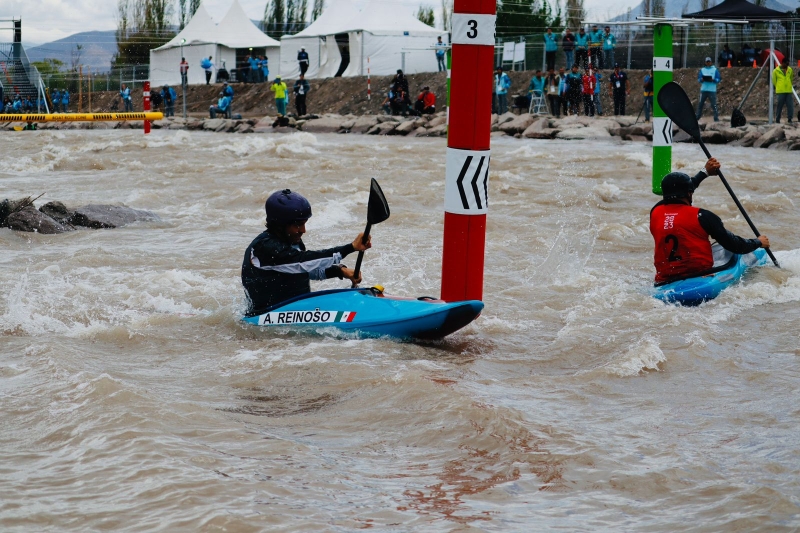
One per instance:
(575, 13)
(659, 7)
(75, 56)
(316, 9)
(447, 14)
(182, 14)
(193, 5)
(425, 15)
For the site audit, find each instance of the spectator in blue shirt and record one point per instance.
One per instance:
(440, 53)
(168, 96)
(609, 44)
(550, 49)
(65, 101)
(125, 93)
(502, 84)
(222, 106)
(55, 96)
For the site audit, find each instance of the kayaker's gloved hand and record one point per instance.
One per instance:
(359, 246)
(764, 241)
(349, 273)
(712, 167)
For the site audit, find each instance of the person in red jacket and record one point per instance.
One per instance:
(681, 231)
(426, 102)
(589, 82)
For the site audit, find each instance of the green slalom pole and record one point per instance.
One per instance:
(662, 126)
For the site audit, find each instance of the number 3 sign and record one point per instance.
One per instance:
(473, 29)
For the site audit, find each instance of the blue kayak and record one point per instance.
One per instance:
(728, 269)
(370, 312)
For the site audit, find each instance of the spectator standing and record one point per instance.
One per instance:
(426, 102)
(598, 105)
(17, 105)
(244, 70)
(222, 107)
(400, 79)
(748, 54)
(562, 91)
(596, 47)
(620, 89)
(725, 56)
(440, 54)
(536, 86)
(553, 83)
(279, 88)
(302, 60)
(568, 45)
(609, 46)
(708, 77)
(264, 69)
(589, 82)
(648, 95)
(55, 96)
(125, 93)
(574, 90)
(208, 65)
(227, 90)
(301, 89)
(503, 84)
(65, 101)
(582, 42)
(550, 49)
(782, 80)
(387, 102)
(168, 96)
(253, 62)
(184, 67)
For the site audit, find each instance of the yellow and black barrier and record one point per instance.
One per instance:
(80, 117)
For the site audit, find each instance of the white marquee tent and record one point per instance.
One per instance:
(379, 36)
(202, 38)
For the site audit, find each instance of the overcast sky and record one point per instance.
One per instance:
(48, 20)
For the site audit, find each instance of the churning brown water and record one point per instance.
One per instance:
(133, 399)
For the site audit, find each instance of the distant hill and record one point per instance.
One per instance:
(98, 48)
(675, 8)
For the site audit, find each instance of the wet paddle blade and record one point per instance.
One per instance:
(676, 104)
(738, 119)
(378, 208)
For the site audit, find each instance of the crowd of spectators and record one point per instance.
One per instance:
(398, 100)
(19, 104)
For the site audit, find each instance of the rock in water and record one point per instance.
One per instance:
(30, 220)
(109, 216)
(57, 211)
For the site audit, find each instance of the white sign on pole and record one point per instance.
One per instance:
(519, 53)
(508, 51)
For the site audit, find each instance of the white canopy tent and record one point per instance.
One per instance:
(381, 36)
(202, 38)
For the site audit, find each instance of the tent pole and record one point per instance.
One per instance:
(362, 53)
(716, 41)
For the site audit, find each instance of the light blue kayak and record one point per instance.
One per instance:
(370, 312)
(728, 269)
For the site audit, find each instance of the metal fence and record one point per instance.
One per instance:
(691, 45)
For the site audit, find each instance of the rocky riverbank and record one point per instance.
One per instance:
(776, 136)
(55, 217)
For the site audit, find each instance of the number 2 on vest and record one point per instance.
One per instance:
(672, 254)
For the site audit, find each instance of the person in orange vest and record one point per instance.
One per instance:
(681, 231)
(426, 102)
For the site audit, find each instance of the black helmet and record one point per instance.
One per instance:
(286, 207)
(676, 185)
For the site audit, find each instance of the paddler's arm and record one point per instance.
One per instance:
(731, 242)
(711, 169)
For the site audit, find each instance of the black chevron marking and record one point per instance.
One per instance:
(667, 132)
(486, 181)
(475, 183)
(459, 182)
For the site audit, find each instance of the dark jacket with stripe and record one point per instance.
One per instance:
(274, 270)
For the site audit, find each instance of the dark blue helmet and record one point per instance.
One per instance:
(287, 207)
(676, 185)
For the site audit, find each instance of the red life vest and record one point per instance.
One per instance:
(682, 247)
(588, 84)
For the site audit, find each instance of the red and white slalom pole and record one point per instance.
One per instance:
(467, 165)
(146, 95)
(369, 90)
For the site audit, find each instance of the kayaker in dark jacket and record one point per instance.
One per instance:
(681, 232)
(277, 266)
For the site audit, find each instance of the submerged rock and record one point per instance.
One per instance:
(110, 216)
(57, 211)
(30, 220)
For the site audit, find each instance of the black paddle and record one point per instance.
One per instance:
(377, 212)
(676, 104)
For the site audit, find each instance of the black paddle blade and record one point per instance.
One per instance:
(378, 208)
(676, 104)
(737, 119)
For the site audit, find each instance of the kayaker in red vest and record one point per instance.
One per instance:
(681, 231)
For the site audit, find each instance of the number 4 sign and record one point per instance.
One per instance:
(473, 29)
(662, 64)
